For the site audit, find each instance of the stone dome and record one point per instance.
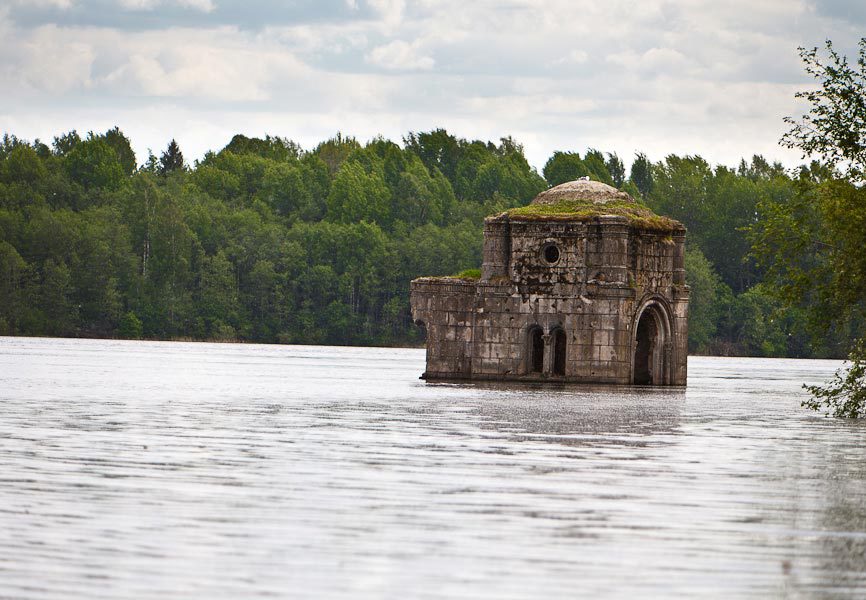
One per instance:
(582, 189)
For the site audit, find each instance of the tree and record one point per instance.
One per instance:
(130, 327)
(835, 126)
(13, 289)
(336, 150)
(616, 169)
(120, 144)
(94, 164)
(358, 196)
(814, 244)
(845, 395)
(217, 299)
(265, 242)
(641, 174)
(597, 167)
(55, 299)
(283, 188)
(64, 143)
(509, 177)
(703, 306)
(437, 150)
(23, 165)
(563, 167)
(274, 148)
(420, 198)
(171, 160)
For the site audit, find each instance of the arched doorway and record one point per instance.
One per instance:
(559, 342)
(651, 345)
(536, 350)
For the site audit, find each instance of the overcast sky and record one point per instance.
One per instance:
(702, 77)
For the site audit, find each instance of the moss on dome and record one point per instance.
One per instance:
(583, 211)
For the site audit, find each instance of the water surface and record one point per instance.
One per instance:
(171, 470)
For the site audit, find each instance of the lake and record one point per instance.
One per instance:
(184, 470)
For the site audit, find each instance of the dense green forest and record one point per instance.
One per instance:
(264, 241)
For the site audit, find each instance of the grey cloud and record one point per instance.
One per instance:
(851, 11)
(238, 13)
(706, 77)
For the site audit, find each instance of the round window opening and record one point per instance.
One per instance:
(551, 253)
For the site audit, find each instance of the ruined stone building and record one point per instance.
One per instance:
(582, 285)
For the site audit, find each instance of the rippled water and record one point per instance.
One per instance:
(171, 470)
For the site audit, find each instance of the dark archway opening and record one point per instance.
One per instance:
(559, 341)
(647, 333)
(536, 350)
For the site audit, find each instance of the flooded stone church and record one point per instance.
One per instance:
(582, 285)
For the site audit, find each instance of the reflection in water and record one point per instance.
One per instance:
(561, 413)
(145, 470)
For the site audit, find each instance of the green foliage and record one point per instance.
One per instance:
(357, 195)
(23, 165)
(641, 174)
(752, 320)
(568, 166)
(131, 327)
(812, 243)
(171, 160)
(272, 148)
(121, 146)
(437, 150)
(336, 150)
(845, 395)
(56, 299)
(616, 169)
(263, 241)
(14, 289)
(217, 298)
(94, 164)
(835, 126)
(703, 299)
(788, 241)
(469, 274)
(597, 166)
(63, 144)
(718, 207)
(563, 167)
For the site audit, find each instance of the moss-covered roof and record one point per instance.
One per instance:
(584, 211)
(584, 201)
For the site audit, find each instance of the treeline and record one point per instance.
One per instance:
(264, 241)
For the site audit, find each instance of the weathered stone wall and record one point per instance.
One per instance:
(497, 249)
(447, 309)
(603, 274)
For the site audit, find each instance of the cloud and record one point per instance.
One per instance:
(54, 66)
(842, 10)
(139, 15)
(56, 4)
(202, 5)
(574, 56)
(399, 56)
(390, 11)
(692, 76)
(653, 62)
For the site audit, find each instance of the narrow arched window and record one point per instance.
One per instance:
(559, 353)
(536, 350)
